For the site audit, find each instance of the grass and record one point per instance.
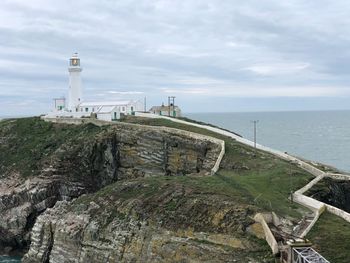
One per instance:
(270, 190)
(258, 178)
(28, 141)
(249, 177)
(330, 236)
(261, 178)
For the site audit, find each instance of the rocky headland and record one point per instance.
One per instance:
(138, 193)
(42, 163)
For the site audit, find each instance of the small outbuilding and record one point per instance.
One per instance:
(163, 110)
(108, 113)
(127, 107)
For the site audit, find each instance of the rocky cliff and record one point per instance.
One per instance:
(332, 192)
(42, 163)
(147, 220)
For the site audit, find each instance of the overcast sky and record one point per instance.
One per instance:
(219, 55)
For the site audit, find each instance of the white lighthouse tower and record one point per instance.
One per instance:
(75, 89)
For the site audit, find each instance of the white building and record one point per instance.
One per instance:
(110, 110)
(126, 107)
(108, 113)
(77, 107)
(60, 104)
(163, 110)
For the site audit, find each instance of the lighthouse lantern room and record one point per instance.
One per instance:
(75, 88)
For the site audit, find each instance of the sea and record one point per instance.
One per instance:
(8, 259)
(322, 136)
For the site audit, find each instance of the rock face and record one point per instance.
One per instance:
(83, 162)
(333, 192)
(145, 220)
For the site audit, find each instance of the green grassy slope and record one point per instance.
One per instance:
(26, 142)
(266, 184)
(260, 177)
(251, 178)
(331, 236)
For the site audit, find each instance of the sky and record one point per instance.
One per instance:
(213, 55)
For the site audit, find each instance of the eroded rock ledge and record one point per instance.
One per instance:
(145, 220)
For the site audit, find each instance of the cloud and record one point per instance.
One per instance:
(153, 48)
(125, 92)
(277, 69)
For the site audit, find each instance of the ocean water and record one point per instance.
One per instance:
(322, 136)
(7, 259)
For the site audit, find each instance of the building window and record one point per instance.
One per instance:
(132, 108)
(123, 108)
(81, 109)
(93, 109)
(86, 109)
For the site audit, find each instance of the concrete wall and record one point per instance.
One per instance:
(338, 212)
(315, 205)
(218, 161)
(312, 223)
(311, 169)
(344, 177)
(309, 185)
(270, 239)
(319, 206)
(309, 202)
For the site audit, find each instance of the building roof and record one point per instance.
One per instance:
(106, 109)
(105, 103)
(164, 108)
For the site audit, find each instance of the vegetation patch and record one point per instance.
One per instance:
(332, 192)
(26, 142)
(330, 236)
(259, 177)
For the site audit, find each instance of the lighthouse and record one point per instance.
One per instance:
(77, 108)
(75, 89)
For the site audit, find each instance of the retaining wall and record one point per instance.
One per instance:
(311, 169)
(270, 239)
(315, 205)
(309, 202)
(344, 177)
(309, 185)
(338, 212)
(218, 161)
(312, 223)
